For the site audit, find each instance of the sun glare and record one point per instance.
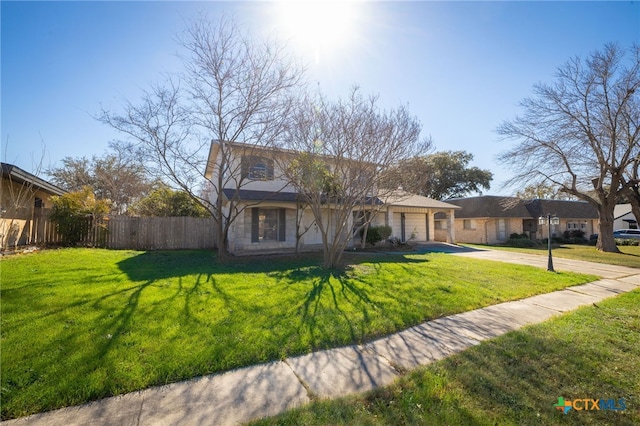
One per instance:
(318, 27)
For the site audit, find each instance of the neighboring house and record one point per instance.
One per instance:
(623, 217)
(24, 199)
(491, 219)
(274, 218)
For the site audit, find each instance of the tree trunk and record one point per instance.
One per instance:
(331, 253)
(221, 240)
(332, 257)
(364, 236)
(606, 241)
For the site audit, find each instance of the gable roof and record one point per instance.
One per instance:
(562, 209)
(407, 199)
(490, 206)
(512, 207)
(17, 175)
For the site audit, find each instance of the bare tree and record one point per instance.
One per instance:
(543, 191)
(340, 153)
(581, 133)
(118, 176)
(235, 89)
(74, 174)
(301, 228)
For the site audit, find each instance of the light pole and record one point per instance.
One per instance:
(549, 220)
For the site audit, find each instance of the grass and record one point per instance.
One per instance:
(629, 256)
(82, 324)
(511, 380)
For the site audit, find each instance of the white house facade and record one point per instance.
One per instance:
(272, 217)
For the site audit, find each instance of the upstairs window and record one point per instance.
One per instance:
(257, 168)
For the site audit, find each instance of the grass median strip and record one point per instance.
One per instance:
(515, 379)
(82, 324)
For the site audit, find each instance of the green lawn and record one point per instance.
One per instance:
(629, 256)
(515, 379)
(82, 324)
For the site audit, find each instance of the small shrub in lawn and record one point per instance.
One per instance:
(385, 231)
(376, 234)
(516, 236)
(627, 242)
(373, 236)
(520, 242)
(576, 233)
(575, 236)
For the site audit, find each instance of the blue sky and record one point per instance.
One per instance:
(461, 67)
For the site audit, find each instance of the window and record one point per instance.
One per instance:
(38, 203)
(257, 168)
(440, 224)
(469, 224)
(268, 225)
(258, 171)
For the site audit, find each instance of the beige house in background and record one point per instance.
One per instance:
(24, 200)
(491, 219)
(272, 216)
(623, 217)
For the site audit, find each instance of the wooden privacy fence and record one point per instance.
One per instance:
(160, 233)
(120, 232)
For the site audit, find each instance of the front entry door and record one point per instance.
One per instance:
(502, 229)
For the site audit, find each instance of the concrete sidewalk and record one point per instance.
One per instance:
(268, 389)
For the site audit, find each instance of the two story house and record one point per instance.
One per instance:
(270, 216)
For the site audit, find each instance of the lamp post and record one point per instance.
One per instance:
(549, 220)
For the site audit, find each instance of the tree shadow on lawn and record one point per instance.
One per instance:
(158, 265)
(69, 345)
(330, 295)
(333, 302)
